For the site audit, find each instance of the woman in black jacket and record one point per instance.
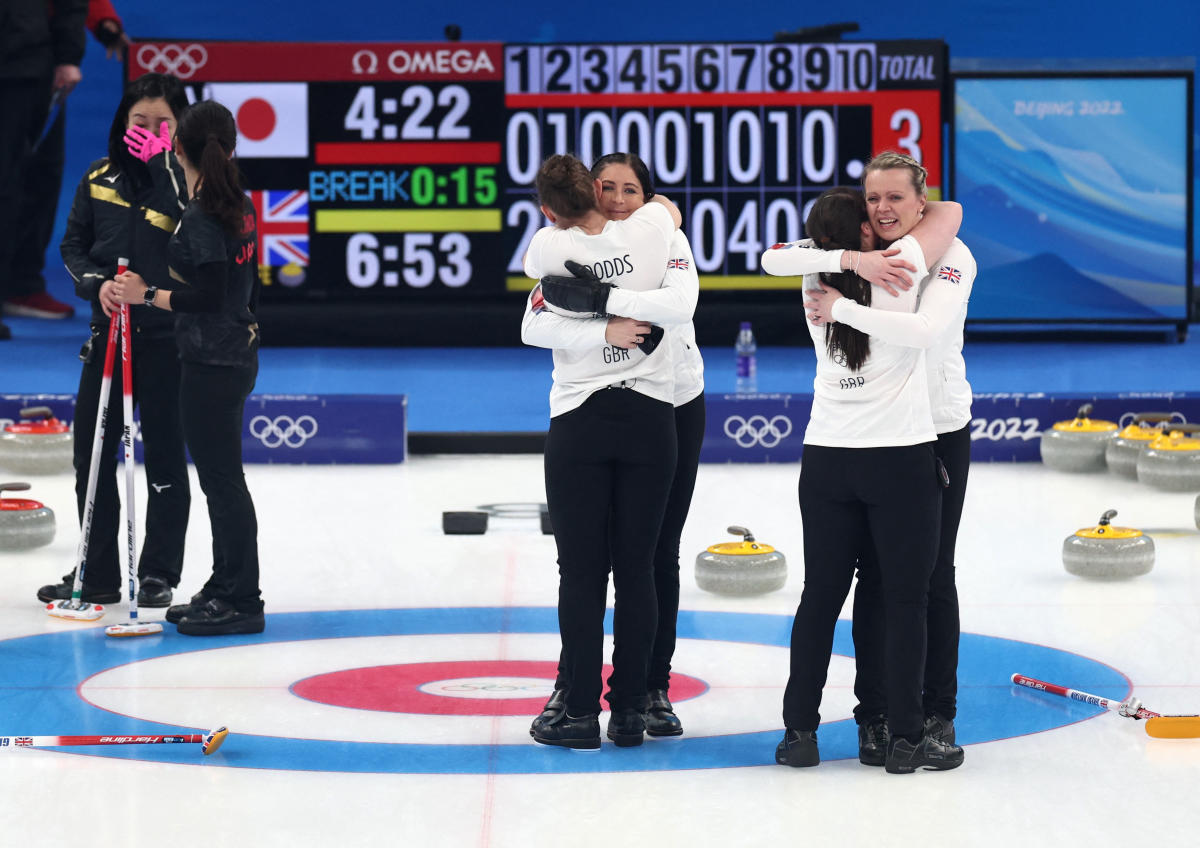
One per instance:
(123, 208)
(212, 255)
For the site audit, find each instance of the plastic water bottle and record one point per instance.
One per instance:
(747, 360)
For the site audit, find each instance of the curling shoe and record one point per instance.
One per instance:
(873, 741)
(659, 717)
(582, 734)
(217, 618)
(177, 612)
(798, 749)
(554, 708)
(903, 757)
(940, 728)
(62, 592)
(626, 727)
(154, 593)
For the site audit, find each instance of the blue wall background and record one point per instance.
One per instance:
(1031, 32)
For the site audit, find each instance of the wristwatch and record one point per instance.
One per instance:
(148, 297)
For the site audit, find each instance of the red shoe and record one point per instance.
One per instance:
(39, 305)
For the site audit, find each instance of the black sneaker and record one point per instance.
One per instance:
(625, 727)
(660, 718)
(177, 612)
(873, 741)
(940, 728)
(154, 593)
(62, 592)
(582, 734)
(217, 618)
(798, 749)
(554, 708)
(904, 757)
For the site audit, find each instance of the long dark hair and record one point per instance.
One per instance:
(145, 87)
(564, 186)
(208, 135)
(634, 162)
(835, 222)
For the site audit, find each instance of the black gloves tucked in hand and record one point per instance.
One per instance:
(583, 293)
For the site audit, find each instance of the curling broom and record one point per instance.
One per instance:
(1157, 725)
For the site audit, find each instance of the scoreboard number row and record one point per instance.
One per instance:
(689, 68)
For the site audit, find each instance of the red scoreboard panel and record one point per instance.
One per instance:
(404, 171)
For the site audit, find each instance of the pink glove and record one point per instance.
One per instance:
(144, 145)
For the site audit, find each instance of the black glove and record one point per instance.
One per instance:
(650, 340)
(587, 297)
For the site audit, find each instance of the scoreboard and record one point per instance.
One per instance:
(404, 172)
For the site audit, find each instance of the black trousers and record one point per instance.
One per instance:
(168, 498)
(689, 434)
(609, 467)
(889, 498)
(24, 105)
(941, 654)
(43, 183)
(213, 400)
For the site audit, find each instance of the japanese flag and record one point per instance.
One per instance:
(272, 117)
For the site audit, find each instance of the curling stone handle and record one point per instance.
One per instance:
(1108, 516)
(740, 531)
(13, 487)
(1153, 417)
(37, 412)
(1176, 427)
(1085, 411)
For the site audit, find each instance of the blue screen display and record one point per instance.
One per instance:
(1075, 194)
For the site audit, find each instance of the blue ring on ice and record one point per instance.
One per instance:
(44, 673)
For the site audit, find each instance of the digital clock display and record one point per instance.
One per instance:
(406, 170)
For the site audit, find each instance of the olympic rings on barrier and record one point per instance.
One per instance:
(758, 430)
(174, 59)
(283, 430)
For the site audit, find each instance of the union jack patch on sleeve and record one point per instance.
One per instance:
(539, 302)
(680, 264)
(951, 274)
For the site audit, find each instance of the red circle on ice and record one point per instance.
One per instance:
(493, 688)
(256, 119)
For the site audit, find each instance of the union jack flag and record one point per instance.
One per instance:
(951, 274)
(282, 226)
(539, 302)
(680, 264)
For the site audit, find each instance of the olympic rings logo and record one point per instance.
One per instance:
(758, 430)
(182, 62)
(283, 430)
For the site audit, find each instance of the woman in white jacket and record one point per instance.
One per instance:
(624, 186)
(610, 452)
(869, 480)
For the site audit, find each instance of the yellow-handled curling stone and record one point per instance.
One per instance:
(24, 523)
(1107, 552)
(748, 567)
(1077, 445)
(1172, 459)
(1137, 431)
(37, 444)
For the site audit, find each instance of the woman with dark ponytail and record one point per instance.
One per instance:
(212, 255)
(870, 484)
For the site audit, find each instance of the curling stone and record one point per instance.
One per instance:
(37, 444)
(1172, 460)
(1077, 445)
(24, 523)
(747, 567)
(1105, 551)
(1122, 452)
